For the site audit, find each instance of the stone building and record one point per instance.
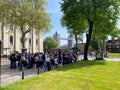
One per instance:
(12, 40)
(70, 40)
(56, 36)
(113, 46)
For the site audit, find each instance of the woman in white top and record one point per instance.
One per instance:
(48, 58)
(48, 67)
(37, 61)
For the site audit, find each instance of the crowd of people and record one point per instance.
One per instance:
(47, 61)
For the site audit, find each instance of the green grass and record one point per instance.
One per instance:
(114, 55)
(83, 75)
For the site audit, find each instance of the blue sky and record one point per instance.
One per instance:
(53, 7)
(119, 24)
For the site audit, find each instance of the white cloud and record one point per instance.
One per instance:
(54, 11)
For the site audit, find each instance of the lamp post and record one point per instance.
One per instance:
(0, 62)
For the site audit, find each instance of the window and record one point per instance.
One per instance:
(29, 41)
(109, 50)
(117, 46)
(109, 46)
(11, 27)
(36, 41)
(113, 46)
(11, 40)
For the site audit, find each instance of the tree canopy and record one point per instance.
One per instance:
(99, 15)
(50, 43)
(27, 15)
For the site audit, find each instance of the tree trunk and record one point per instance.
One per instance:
(2, 38)
(76, 40)
(23, 41)
(14, 38)
(88, 39)
(23, 38)
(104, 45)
(99, 45)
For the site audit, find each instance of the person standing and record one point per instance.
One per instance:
(48, 67)
(59, 57)
(20, 61)
(11, 58)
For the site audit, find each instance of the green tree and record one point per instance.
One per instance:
(94, 44)
(100, 35)
(73, 27)
(50, 43)
(3, 20)
(28, 15)
(98, 14)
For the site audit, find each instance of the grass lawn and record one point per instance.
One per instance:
(83, 75)
(114, 55)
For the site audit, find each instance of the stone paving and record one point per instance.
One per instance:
(9, 76)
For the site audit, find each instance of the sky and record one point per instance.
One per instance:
(119, 24)
(53, 7)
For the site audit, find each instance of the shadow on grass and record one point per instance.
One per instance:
(81, 64)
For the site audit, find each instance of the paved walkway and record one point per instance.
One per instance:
(9, 76)
(93, 58)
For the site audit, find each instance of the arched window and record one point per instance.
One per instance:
(11, 40)
(36, 41)
(29, 41)
(11, 27)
